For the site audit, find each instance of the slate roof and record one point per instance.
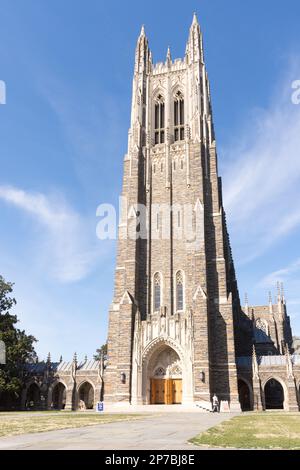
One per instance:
(265, 361)
(64, 366)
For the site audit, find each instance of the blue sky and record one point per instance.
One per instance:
(63, 134)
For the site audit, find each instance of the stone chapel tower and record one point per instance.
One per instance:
(171, 323)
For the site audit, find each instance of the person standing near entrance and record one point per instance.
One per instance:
(215, 404)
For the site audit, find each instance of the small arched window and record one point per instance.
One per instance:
(178, 117)
(159, 121)
(262, 325)
(157, 292)
(179, 291)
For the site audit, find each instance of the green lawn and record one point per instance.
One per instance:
(271, 430)
(13, 424)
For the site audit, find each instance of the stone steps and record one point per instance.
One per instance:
(124, 408)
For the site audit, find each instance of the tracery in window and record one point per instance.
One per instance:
(178, 117)
(159, 121)
(157, 292)
(179, 291)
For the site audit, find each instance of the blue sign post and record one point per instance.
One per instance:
(100, 407)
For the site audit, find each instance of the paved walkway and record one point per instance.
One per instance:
(165, 431)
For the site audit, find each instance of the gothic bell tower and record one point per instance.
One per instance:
(171, 335)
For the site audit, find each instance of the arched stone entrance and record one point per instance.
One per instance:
(244, 395)
(33, 397)
(86, 395)
(274, 395)
(166, 353)
(164, 373)
(59, 397)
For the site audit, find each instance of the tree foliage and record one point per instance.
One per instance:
(101, 352)
(19, 347)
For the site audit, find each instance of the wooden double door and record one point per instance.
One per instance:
(166, 391)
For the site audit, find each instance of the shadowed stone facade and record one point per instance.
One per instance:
(160, 170)
(64, 385)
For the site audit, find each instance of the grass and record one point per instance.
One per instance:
(255, 431)
(16, 423)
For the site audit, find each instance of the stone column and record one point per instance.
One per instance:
(257, 396)
(292, 395)
(70, 399)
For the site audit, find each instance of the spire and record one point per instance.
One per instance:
(187, 49)
(142, 55)
(75, 358)
(282, 292)
(101, 366)
(270, 303)
(279, 298)
(49, 358)
(169, 57)
(194, 49)
(270, 298)
(195, 19)
(74, 367)
(278, 292)
(255, 370)
(289, 363)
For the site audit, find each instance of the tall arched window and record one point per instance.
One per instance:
(159, 118)
(157, 292)
(179, 291)
(179, 117)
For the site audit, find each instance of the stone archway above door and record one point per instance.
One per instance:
(165, 362)
(172, 371)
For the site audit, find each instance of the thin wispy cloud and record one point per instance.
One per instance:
(287, 273)
(262, 174)
(90, 124)
(66, 247)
